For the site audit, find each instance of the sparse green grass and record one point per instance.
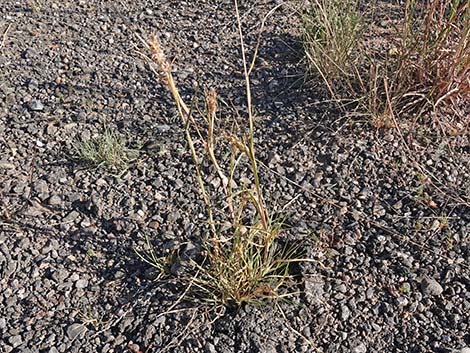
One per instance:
(161, 263)
(248, 268)
(108, 150)
(332, 35)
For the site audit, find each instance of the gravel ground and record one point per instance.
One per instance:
(385, 214)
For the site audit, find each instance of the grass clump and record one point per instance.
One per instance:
(433, 58)
(242, 259)
(422, 64)
(251, 267)
(332, 31)
(108, 150)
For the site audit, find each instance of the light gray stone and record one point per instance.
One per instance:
(15, 341)
(360, 348)
(81, 283)
(36, 105)
(75, 330)
(430, 286)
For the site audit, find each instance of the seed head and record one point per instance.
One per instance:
(157, 54)
(212, 101)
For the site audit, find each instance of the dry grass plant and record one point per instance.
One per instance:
(427, 67)
(243, 261)
(434, 52)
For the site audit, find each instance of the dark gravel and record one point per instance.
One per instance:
(385, 214)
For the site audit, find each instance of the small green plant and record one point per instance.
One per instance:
(161, 263)
(34, 5)
(444, 222)
(449, 240)
(332, 36)
(108, 150)
(89, 318)
(405, 288)
(419, 226)
(243, 261)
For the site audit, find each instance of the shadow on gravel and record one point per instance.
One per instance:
(279, 81)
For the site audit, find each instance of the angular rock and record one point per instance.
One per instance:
(55, 200)
(15, 341)
(360, 348)
(81, 283)
(6, 165)
(430, 286)
(36, 105)
(75, 330)
(345, 312)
